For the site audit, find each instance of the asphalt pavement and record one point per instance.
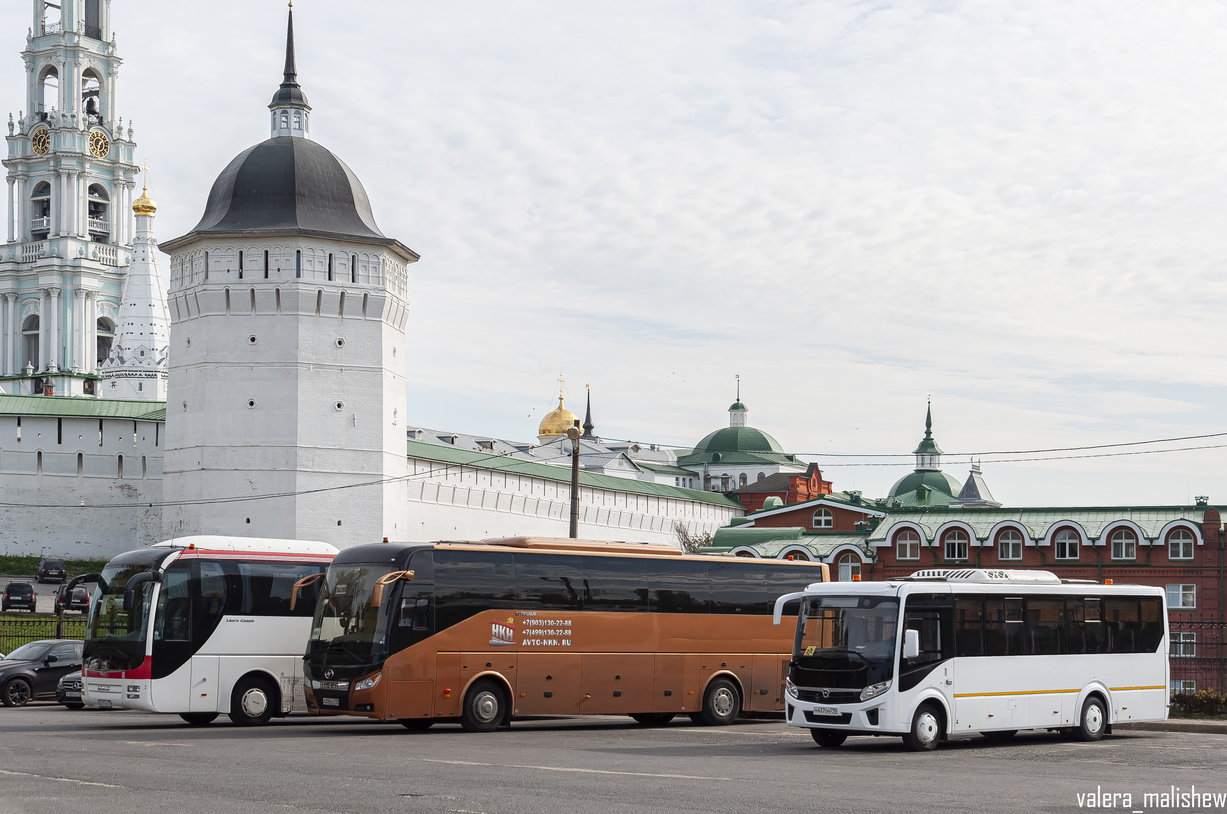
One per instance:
(57, 760)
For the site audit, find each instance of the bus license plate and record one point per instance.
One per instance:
(831, 711)
(104, 703)
(332, 702)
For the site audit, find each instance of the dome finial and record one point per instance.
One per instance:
(289, 103)
(144, 205)
(557, 421)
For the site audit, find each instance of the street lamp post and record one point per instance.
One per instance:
(574, 433)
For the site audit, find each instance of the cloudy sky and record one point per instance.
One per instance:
(1016, 209)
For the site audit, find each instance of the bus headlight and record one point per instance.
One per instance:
(790, 688)
(367, 683)
(874, 690)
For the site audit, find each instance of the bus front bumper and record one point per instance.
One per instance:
(868, 717)
(117, 693)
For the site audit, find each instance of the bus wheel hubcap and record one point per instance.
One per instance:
(1094, 719)
(926, 727)
(485, 707)
(254, 703)
(722, 702)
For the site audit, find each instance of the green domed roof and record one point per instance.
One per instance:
(738, 439)
(738, 407)
(939, 482)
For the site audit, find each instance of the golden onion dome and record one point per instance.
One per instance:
(144, 205)
(557, 422)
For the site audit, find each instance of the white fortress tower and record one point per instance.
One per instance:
(288, 309)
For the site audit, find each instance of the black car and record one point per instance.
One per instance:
(68, 691)
(18, 595)
(79, 601)
(51, 571)
(32, 671)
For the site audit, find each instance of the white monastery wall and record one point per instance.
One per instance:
(50, 467)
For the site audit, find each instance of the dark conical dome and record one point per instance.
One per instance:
(289, 186)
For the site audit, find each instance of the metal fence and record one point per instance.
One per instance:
(16, 632)
(1198, 656)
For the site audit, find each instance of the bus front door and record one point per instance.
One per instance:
(204, 696)
(931, 673)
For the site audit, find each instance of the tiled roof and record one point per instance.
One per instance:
(1038, 521)
(82, 407)
(664, 469)
(519, 466)
(769, 543)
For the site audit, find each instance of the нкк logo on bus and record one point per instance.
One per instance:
(502, 634)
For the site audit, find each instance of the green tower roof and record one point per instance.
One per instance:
(928, 446)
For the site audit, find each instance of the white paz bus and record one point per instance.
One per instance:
(203, 625)
(981, 651)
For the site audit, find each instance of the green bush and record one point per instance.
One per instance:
(24, 566)
(1205, 702)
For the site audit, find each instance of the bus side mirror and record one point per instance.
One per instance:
(302, 583)
(911, 644)
(781, 602)
(386, 579)
(138, 579)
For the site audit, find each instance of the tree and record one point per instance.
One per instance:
(690, 543)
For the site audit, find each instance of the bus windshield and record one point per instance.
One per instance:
(346, 626)
(115, 638)
(846, 641)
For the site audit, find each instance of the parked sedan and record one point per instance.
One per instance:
(32, 671)
(19, 595)
(68, 691)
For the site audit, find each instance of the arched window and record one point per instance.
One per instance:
(266, 264)
(1180, 544)
(849, 567)
(51, 19)
(285, 120)
(761, 475)
(40, 210)
(29, 342)
(743, 480)
(1067, 544)
(99, 213)
(91, 96)
(1124, 545)
(298, 263)
(823, 519)
(353, 268)
(797, 555)
(106, 335)
(49, 90)
(240, 264)
(330, 267)
(724, 483)
(956, 545)
(907, 545)
(1009, 545)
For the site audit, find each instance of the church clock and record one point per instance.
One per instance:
(41, 141)
(99, 144)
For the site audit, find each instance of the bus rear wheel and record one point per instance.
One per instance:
(417, 724)
(483, 707)
(253, 701)
(198, 718)
(828, 738)
(1091, 727)
(721, 703)
(926, 729)
(652, 718)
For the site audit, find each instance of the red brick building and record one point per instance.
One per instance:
(784, 486)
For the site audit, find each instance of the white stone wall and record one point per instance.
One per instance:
(449, 501)
(60, 464)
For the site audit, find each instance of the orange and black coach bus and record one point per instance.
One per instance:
(476, 633)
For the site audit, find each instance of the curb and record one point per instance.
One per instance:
(1201, 727)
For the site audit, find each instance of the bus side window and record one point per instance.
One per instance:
(470, 582)
(969, 625)
(548, 582)
(679, 586)
(210, 600)
(1084, 631)
(1152, 625)
(739, 586)
(931, 615)
(1003, 629)
(1123, 624)
(615, 584)
(1044, 625)
(174, 622)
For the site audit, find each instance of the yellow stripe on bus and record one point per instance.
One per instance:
(1023, 692)
(1122, 689)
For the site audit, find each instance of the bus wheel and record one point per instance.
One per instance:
(198, 718)
(16, 693)
(828, 738)
(1093, 720)
(483, 708)
(652, 718)
(252, 702)
(417, 724)
(721, 703)
(926, 729)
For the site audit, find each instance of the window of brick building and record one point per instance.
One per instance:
(907, 544)
(956, 545)
(1067, 544)
(823, 519)
(1009, 545)
(1180, 545)
(1124, 545)
(849, 566)
(1184, 645)
(1182, 597)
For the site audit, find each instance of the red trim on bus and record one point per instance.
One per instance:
(144, 671)
(266, 556)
